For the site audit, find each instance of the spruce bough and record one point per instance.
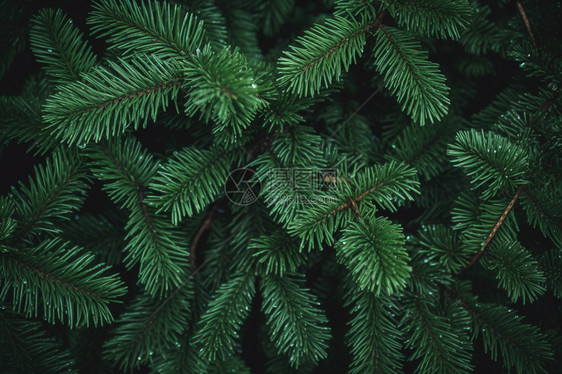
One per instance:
(337, 186)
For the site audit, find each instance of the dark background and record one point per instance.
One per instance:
(16, 164)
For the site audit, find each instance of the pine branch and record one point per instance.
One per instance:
(440, 345)
(296, 324)
(489, 160)
(218, 327)
(434, 18)
(154, 27)
(325, 51)
(148, 325)
(72, 286)
(107, 100)
(384, 185)
(224, 87)
(493, 232)
(57, 189)
(409, 75)
(152, 240)
(520, 345)
(26, 348)
(373, 251)
(517, 271)
(374, 337)
(190, 180)
(58, 44)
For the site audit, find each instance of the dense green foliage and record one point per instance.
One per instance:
(276, 186)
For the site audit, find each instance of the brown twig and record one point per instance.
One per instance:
(526, 22)
(494, 231)
(206, 224)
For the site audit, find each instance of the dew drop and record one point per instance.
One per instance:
(82, 146)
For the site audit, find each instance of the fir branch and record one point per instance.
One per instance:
(296, 324)
(276, 254)
(26, 348)
(218, 328)
(190, 180)
(58, 188)
(438, 343)
(73, 288)
(415, 81)
(439, 18)
(154, 27)
(551, 264)
(493, 232)
(385, 185)
(58, 44)
(225, 88)
(147, 325)
(520, 345)
(490, 160)
(214, 22)
(325, 50)
(517, 271)
(373, 251)
(380, 352)
(446, 246)
(476, 217)
(543, 209)
(374, 336)
(152, 240)
(109, 99)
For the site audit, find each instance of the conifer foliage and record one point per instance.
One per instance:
(275, 186)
